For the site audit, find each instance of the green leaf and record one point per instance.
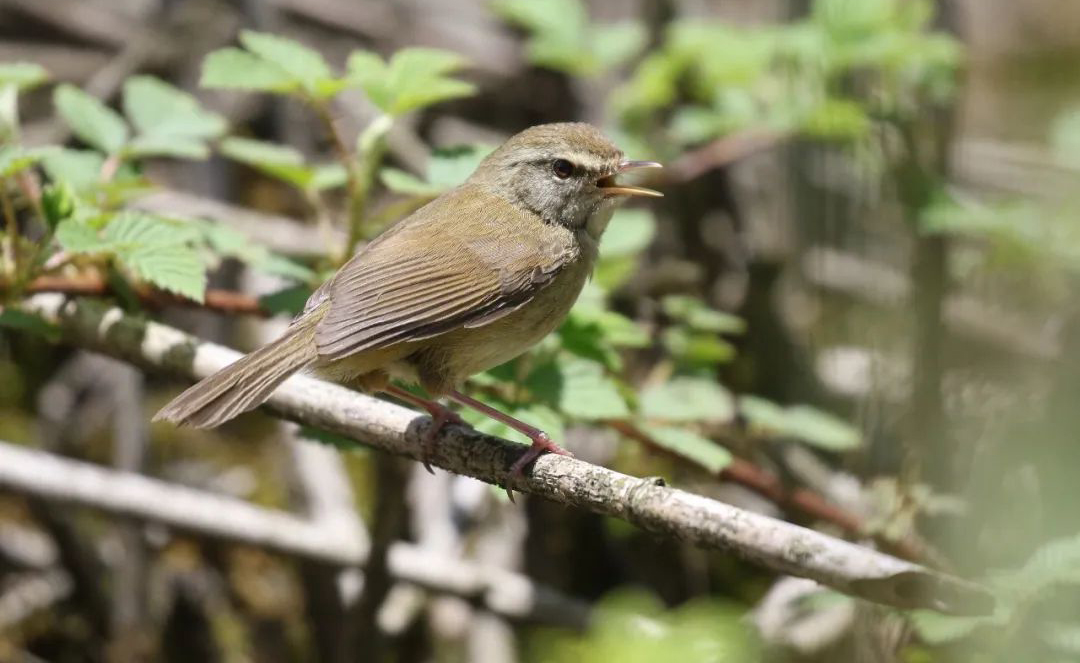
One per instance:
(290, 300)
(175, 268)
(15, 158)
(687, 399)
(448, 168)
(283, 163)
(13, 318)
(698, 316)
(691, 446)
(540, 416)
(303, 64)
(180, 147)
(79, 168)
(414, 78)
(616, 43)
(578, 388)
(230, 243)
(838, 119)
(800, 422)
(935, 628)
(92, 121)
(257, 152)
(696, 349)
(399, 181)
(236, 69)
(156, 108)
(57, 203)
(451, 166)
(1065, 138)
(629, 233)
(132, 229)
(22, 75)
(78, 237)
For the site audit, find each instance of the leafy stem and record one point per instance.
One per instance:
(371, 146)
(11, 265)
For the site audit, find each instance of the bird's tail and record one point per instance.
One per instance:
(244, 384)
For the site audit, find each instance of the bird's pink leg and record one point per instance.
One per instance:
(540, 440)
(440, 416)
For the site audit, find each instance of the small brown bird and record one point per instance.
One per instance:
(468, 282)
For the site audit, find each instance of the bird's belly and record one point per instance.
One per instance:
(470, 351)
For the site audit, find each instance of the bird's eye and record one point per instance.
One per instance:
(562, 168)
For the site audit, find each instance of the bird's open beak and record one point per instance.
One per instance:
(613, 188)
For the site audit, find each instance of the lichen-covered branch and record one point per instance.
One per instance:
(648, 503)
(129, 494)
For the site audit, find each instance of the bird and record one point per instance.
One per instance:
(467, 282)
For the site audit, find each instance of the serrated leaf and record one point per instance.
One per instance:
(691, 446)
(79, 168)
(158, 109)
(77, 237)
(175, 268)
(236, 69)
(303, 64)
(92, 121)
(132, 229)
(22, 75)
(687, 399)
(413, 78)
(13, 318)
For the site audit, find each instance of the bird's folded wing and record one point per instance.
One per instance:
(428, 276)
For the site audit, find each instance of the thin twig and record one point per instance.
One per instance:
(53, 477)
(774, 544)
(11, 258)
(225, 301)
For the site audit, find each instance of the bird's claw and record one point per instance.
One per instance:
(540, 443)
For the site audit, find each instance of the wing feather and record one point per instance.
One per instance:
(423, 278)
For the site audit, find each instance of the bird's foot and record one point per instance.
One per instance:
(440, 417)
(540, 443)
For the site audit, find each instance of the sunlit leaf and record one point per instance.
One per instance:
(299, 61)
(801, 422)
(159, 109)
(236, 69)
(92, 121)
(22, 75)
(79, 168)
(691, 446)
(687, 399)
(412, 79)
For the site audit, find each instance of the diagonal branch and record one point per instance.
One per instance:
(777, 545)
(129, 494)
